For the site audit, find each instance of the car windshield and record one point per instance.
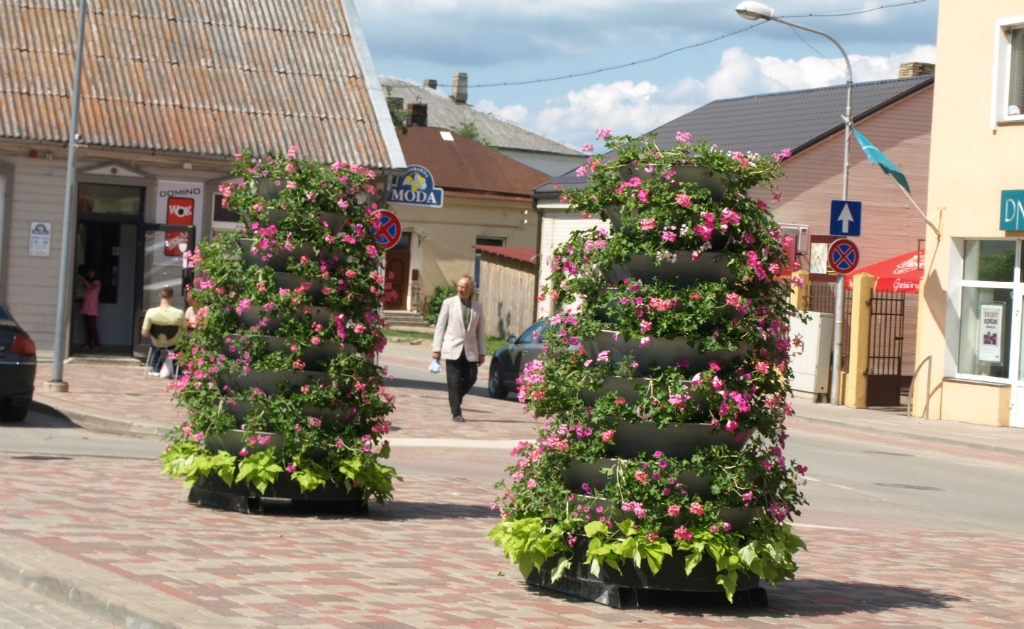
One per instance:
(534, 333)
(4, 314)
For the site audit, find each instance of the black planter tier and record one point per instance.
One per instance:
(677, 441)
(578, 473)
(316, 357)
(738, 518)
(665, 352)
(285, 494)
(335, 222)
(241, 409)
(617, 590)
(272, 382)
(232, 441)
(318, 314)
(279, 259)
(684, 174)
(293, 282)
(685, 270)
(624, 387)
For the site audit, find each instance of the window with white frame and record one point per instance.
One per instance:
(1008, 88)
(986, 307)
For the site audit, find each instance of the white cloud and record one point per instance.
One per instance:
(513, 113)
(624, 106)
(739, 74)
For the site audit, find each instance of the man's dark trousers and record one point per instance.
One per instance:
(461, 377)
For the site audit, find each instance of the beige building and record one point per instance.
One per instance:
(486, 201)
(969, 359)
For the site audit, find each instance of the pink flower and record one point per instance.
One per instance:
(673, 510)
(604, 133)
(314, 421)
(290, 468)
(641, 476)
(532, 484)
(786, 153)
(652, 537)
(607, 435)
(682, 136)
(243, 453)
(340, 443)
(581, 171)
(643, 195)
(684, 200)
(588, 147)
(371, 251)
(646, 224)
(668, 236)
(696, 508)
(683, 534)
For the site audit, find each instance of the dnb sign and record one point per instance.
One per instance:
(416, 187)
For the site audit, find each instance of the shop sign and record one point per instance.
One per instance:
(39, 239)
(1011, 210)
(178, 203)
(990, 333)
(416, 187)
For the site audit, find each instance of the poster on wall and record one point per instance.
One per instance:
(39, 239)
(179, 203)
(990, 333)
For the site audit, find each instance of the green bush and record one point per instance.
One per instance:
(434, 303)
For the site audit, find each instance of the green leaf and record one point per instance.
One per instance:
(595, 529)
(563, 563)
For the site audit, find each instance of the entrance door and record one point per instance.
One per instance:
(398, 270)
(161, 263)
(1017, 392)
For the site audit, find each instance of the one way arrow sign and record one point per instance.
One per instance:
(845, 219)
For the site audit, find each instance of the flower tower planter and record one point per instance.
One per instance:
(662, 387)
(283, 397)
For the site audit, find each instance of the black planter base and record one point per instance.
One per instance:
(631, 588)
(283, 497)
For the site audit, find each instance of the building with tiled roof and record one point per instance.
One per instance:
(432, 107)
(171, 90)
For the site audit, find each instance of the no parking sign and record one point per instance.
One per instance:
(843, 256)
(390, 230)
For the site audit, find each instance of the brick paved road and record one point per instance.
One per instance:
(423, 561)
(23, 609)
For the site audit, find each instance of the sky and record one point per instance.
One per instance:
(497, 41)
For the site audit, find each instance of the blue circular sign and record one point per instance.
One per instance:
(843, 256)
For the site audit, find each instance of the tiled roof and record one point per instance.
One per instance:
(461, 165)
(767, 123)
(200, 77)
(523, 254)
(442, 111)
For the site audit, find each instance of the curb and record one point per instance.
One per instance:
(99, 423)
(914, 437)
(114, 611)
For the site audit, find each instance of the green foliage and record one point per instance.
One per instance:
(529, 543)
(433, 305)
(260, 469)
(470, 131)
(186, 459)
(399, 117)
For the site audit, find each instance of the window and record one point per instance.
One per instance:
(1008, 82)
(95, 198)
(494, 242)
(986, 308)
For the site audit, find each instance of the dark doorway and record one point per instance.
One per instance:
(398, 271)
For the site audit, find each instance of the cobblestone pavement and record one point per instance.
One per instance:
(423, 561)
(23, 609)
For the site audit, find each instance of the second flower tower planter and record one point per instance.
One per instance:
(284, 399)
(663, 386)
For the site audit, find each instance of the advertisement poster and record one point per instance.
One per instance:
(39, 239)
(990, 333)
(179, 203)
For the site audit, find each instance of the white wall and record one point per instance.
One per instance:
(555, 229)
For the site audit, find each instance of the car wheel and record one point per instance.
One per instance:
(495, 387)
(13, 410)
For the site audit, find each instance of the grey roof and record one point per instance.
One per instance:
(768, 123)
(444, 112)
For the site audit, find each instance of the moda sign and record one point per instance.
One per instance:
(416, 187)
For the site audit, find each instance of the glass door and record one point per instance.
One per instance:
(1017, 383)
(161, 263)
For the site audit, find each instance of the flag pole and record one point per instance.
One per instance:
(912, 202)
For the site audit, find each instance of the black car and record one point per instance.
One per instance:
(17, 368)
(508, 362)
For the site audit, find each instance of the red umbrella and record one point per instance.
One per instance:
(900, 274)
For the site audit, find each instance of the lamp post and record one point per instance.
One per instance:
(57, 383)
(754, 11)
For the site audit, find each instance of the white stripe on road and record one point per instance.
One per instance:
(475, 444)
(822, 526)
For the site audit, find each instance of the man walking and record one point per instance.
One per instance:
(459, 339)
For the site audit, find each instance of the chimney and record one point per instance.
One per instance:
(419, 114)
(460, 88)
(916, 68)
(431, 83)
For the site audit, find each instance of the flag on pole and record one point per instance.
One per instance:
(878, 157)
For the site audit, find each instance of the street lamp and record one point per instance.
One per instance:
(754, 11)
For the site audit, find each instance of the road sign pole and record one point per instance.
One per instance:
(837, 338)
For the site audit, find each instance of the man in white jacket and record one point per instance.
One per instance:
(459, 339)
